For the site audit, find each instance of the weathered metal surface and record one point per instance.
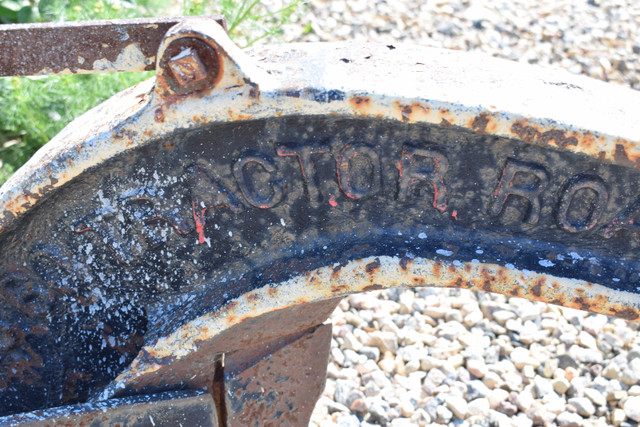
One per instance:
(198, 369)
(280, 387)
(282, 182)
(171, 409)
(83, 47)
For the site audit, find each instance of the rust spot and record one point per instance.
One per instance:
(168, 145)
(479, 123)
(620, 156)
(372, 266)
(515, 291)
(272, 291)
(373, 287)
(336, 271)
(339, 288)
(536, 290)
(446, 123)
(458, 282)
(252, 297)
(582, 303)
(405, 112)
(358, 102)
(418, 280)
(437, 269)
(158, 115)
(627, 314)
(531, 134)
(232, 305)
(404, 263)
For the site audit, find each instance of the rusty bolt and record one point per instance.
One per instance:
(187, 68)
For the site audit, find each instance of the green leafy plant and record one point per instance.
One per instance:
(34, 109)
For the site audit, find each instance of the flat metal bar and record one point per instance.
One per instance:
(186, 408)
(84, 47)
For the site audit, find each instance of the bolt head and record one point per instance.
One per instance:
(187, 68)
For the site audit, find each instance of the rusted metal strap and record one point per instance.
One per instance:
(85, 46)
(186, 408)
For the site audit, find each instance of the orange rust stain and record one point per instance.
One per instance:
(373, 266)
(158, 115)
(437, 269)
(458, 282)
(373, 287)
(233, 115)
(627, 313)
(148, 133)
(272, 292)
(487, 278)
(168, 145)
(588, 140)
(446, 123)
(360, 102)
(252, 297)
(467, 268)
(335, 273)
(536, 290)
(581, 303)
(232, 318)
(232, 305)
(339, 288)
(480, 122)
(418, 280)
(515, 291)
(302, 300)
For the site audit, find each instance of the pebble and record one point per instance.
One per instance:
(632, 408)
(583, 406)
(569, 419)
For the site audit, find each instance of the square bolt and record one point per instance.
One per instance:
(187, 67)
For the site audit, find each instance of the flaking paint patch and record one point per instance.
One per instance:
(130, 58)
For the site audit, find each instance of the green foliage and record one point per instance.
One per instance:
(34, 109)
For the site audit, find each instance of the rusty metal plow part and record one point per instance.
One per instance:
(224, 207)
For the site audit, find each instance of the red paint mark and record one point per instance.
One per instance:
(83, 230)
(332, 201)
(198, 217)
(455, 214)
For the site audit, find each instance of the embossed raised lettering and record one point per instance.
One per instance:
(585, 213)
(307, 166)
(524, 180)
(359, 171)
(250, 190)
(208, 193)
(414, 172)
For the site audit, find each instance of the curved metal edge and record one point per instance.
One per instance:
(405, 83)
(371, 273)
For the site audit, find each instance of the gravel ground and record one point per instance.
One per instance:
(438, 356)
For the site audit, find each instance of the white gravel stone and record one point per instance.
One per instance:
(569, 419)
(595, 396)
(583, 406)
(632, 408)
